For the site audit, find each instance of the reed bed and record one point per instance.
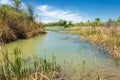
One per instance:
(108, 36)
(28, 69)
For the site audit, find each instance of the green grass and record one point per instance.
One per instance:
(18, 69)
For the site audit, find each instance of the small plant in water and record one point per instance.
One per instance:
(98, 76)
(17, 69)
(84, 66)
(5, 66)
(17, 64)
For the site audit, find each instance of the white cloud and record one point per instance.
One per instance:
(23, 6)
(50, 14)
(6, 2)
(10, 2)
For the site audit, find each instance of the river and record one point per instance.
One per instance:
(71, 52)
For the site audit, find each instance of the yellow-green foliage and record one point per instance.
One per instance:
(17, 68)
(16, 24)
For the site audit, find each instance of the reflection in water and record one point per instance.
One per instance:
(70, 52)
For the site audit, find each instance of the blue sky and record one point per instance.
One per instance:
(73, 10)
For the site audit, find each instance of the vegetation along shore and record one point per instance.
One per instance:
(97, 32)
(17, 23)
(82, 53)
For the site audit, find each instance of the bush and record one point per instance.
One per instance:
(15, 24)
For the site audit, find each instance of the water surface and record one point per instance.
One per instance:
(70, 52)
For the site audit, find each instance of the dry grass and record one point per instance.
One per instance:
(103, 35)
(17, 25)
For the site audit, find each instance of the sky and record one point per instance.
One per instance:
(72, 10)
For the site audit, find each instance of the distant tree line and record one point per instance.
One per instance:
(63, 23)
(96, 23)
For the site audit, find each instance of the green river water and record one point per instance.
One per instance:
(70, 52)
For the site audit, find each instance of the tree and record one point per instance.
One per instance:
(17, 4)
(70, 23)
(110, 22)
(30, 11)
(97, 22)
(62, 22)
(97, 19)
(118, 19)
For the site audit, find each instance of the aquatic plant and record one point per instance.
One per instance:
(17, 64)
(5, 67)
(17, 67)
(83, 66)
(109, 37)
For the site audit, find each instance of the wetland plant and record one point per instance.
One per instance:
(17, 69)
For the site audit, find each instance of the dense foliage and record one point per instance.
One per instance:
(96, 23)
(16, 23)
(62, 23)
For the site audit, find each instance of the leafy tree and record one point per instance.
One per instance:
(110, 22)
(97, 22)
(70, 23)
(62, 22)
(30, 11)
(17, 4)
(118, 21)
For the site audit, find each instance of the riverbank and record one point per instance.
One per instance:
(18, 24)
(8, 35)
(100, 35)
(80, 58)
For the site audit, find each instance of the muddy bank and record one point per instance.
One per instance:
(9, 36)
